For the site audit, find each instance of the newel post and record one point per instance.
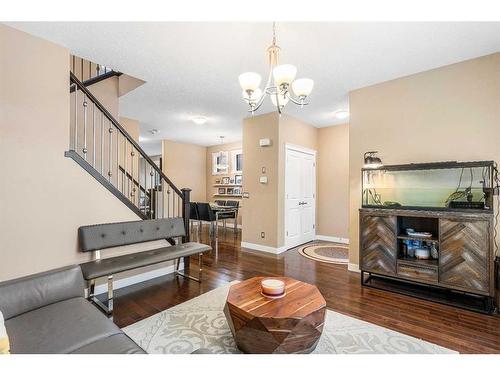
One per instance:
(186, 209)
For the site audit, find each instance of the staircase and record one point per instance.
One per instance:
(101, 146)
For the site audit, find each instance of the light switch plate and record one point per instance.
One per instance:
(264, 142)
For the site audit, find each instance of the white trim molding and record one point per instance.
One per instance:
(266, 249)
(135, 279)
(353, 267)
(333, 239)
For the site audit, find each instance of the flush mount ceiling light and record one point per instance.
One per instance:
(341, 114)
(199, 120)
(279, 90)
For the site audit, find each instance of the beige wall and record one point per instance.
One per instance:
(260, 210)
(449, 113)
(185, 165)
(131, 126)
(264, 209)
(211, 190)
(106, 92)
(45, 196)
(333, 181)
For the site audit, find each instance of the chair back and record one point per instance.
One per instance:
(205, 213)
(233, 204)
(220, 202)
(193, 211)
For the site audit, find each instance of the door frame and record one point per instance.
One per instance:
(305, 150)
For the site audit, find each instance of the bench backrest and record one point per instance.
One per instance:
(103, 236)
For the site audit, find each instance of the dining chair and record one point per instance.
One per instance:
(193, 215)
(205, 213)
(231, 215)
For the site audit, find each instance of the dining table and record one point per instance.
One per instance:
(219, 210)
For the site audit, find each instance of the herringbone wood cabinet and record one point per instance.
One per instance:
(378, 244)
(464, 241)
(464, 260)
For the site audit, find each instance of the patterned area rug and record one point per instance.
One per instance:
(200, 323)
(326, 252)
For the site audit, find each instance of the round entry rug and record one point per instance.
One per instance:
(328, 253)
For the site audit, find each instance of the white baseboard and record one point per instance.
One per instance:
(131, 280)
(266, 249)
(353, 267)
(333, 239)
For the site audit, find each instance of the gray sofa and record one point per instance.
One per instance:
(47, 313)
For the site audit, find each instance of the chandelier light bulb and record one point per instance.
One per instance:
(283, 100)
(249, 81)
(284, 74)
(254, 97)
(302, 87)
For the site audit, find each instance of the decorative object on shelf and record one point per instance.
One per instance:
(225, 180)
(229, 191)
(272, 288)
(434, 251)
(237, 191)
(371, 160)
(238, 179)
(222, 190)
(220, 162)
(422, 253)
(411, 232)
(279, 90)
(231, 180)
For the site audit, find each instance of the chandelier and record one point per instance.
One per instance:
(279, 90)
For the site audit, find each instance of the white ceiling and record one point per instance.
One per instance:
(193, 68)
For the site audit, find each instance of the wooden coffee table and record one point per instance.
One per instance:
(292, 324)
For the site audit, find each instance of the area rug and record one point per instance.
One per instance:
(200, 323)
(326, 252)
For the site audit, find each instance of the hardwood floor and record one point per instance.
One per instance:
(454, 328)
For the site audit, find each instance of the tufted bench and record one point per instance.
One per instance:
(102, 236)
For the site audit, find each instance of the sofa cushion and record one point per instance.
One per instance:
(110, 266)
(61, 327)
(28, 293)
(116, 344)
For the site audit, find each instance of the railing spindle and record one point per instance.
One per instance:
(132, 175)
(76, 118)
(102, 143)
(110, 151)
(85, 104)
(117, 159)
(93, 136)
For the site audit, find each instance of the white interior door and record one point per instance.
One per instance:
(300, 196)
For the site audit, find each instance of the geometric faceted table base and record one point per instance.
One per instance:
(292, 324)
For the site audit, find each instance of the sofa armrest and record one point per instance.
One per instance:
(28, 293)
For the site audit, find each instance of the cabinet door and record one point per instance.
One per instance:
(378, 244)
(464, 254)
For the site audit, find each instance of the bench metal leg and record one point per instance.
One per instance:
(200, 271)
(107, 309)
